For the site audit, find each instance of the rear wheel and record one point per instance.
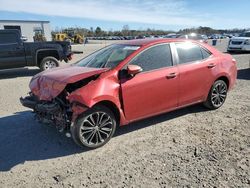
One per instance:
(48, 63)
(79, 41)
(217, 95)
(94, 128)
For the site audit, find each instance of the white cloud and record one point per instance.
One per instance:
(161, 12)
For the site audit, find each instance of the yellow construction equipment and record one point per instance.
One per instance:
(74, 36)
(39, 37)
(60, 37)
(69, 35)
(78, 39)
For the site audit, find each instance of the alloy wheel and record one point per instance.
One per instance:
(219, 94)
(96, 129)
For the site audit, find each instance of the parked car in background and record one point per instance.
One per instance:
(172, 35)
(240, 44)
(194, 36)
(129, 81)
(225, 35)
(15, 52)
(214, 36)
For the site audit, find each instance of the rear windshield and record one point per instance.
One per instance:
(108, 57)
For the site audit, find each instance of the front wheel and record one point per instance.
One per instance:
(217, 95)
(94, 128)
(49, 63)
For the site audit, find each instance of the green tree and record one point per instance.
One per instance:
(98, 31)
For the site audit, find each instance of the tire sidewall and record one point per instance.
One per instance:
(75, 127)
(209, 100)
(42, 65)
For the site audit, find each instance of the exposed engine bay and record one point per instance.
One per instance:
(58, 111)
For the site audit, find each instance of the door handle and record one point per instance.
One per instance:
(171, 75)
(211, 65)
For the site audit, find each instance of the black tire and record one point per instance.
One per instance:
(217, 95)
(80, 137)
(48, 63)
(230, 51)
(80, 41)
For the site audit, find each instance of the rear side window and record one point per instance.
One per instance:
(154, 58)
(6, 38)
(188, 52)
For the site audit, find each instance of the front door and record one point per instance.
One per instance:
(155, 90)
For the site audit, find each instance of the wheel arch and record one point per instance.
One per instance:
(225, 79)
(220, 77)
(42, 53)
(112, 106)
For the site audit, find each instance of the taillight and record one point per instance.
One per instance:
(70, 56)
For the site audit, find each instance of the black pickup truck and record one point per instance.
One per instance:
(14, 52)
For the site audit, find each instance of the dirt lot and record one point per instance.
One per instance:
(191, 147)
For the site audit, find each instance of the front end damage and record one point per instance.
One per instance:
(49, 97)
(57, 112)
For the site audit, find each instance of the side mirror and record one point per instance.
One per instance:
(134, 69)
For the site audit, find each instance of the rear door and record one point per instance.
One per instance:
(11, 50)
(155, 90)
(196, 66)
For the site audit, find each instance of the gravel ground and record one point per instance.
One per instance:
(191, 147)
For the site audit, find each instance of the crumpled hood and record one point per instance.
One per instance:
(49, 84)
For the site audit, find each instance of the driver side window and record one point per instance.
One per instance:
(116, 57)
(155, 57)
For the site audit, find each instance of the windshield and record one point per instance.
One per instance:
(247, 34)
(108, 57)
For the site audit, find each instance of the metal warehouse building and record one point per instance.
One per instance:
(28, 28)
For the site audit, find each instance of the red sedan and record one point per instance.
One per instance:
(127, 82)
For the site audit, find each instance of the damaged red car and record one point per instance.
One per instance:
(127, 82)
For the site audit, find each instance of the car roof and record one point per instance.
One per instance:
(149, 42)
(143, 42)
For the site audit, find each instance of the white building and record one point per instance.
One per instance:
(28, 28)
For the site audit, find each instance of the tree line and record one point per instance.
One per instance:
(126, 31)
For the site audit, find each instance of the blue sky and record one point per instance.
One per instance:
(138, 14)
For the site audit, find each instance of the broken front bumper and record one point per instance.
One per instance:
(29, 102)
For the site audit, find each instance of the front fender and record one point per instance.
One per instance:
(106, 87)
(99, 90)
